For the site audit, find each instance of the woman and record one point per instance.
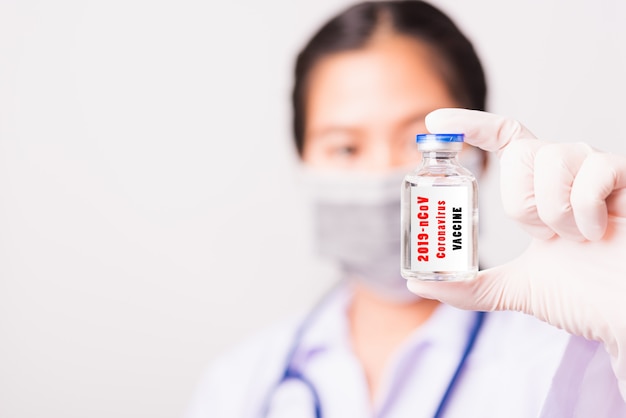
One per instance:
(364, 84)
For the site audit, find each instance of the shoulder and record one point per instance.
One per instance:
(237, 381)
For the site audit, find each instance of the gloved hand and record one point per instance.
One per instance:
(572, 200)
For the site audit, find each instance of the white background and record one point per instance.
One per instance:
(150, 216)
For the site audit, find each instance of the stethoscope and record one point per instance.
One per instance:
(290, 373)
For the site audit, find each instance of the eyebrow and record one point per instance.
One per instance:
(347, 129)
(418, 117)
(332, 129)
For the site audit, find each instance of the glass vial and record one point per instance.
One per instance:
(440, 214)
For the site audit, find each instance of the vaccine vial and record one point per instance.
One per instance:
(439, 214)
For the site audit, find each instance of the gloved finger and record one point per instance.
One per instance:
(556, 166)
(516, 147)
(600, 176)
(517, 185)
(484, 130)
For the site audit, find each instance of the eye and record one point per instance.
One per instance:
(345, 150)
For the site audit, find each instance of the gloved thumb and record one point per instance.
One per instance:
(498, 288)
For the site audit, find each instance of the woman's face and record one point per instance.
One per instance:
(364, 107)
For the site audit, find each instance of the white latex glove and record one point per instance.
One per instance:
(572, 200)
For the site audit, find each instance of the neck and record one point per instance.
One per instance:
(378, 327)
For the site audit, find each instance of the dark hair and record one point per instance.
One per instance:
(352, 28)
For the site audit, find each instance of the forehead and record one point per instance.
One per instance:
(389, 78)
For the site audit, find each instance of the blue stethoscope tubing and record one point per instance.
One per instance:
(479, 319)
(291, 374)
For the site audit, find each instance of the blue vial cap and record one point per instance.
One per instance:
(439, 137)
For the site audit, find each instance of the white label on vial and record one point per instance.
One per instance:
(441, 222)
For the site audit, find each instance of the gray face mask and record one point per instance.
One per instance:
(357, 226)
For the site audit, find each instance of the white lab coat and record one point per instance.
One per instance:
(508, 374)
